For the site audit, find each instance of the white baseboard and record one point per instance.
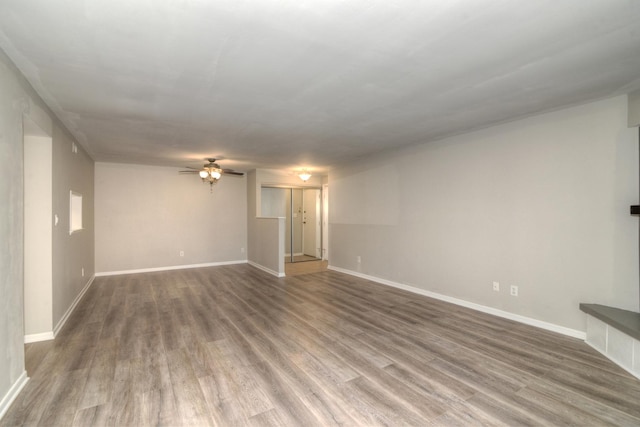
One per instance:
(13, 392)
(47, 336)
(72, 307)
(263, 268)
(172, 267)
(43, 336)
(489, 310)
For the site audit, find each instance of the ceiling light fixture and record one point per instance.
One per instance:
(210, 175)
(211, 172)
(304, 175)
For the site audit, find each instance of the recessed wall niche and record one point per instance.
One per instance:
(75, 212)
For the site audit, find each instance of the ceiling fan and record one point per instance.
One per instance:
(211, 172)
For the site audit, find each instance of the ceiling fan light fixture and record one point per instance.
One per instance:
(211, 172)
(304, 175)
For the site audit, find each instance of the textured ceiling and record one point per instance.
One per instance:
(285, 84)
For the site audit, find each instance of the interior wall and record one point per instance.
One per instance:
(13, 103)
(17, 100)
(263, 244)
(147, 215)
(265, 235)
(634, 109)
(73, 254)
(541, 203)
(38, 234)
(276, 203)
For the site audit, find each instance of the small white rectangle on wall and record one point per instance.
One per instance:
(620, 347)
(597, 334)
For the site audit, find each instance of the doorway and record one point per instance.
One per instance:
(302, 209)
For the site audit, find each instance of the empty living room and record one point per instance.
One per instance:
(319, 212)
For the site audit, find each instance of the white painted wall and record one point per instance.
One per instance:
(146, 215)
(541, 203)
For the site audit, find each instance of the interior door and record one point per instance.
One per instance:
(311, 222)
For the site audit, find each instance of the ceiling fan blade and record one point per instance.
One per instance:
(232, 172)
(189, 167)
(195, 171)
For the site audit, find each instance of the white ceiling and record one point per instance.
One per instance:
(284, 84)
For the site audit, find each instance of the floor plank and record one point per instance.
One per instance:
(234, 346)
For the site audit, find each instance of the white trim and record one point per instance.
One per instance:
(72, 307)
(173, 267)
(46, 336)
(268, 270)
(43, 336)
(490, 310)
(606, 351)
(608, 356)
(13, 392)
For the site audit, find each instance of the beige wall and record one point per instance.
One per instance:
(634, 109)
(13, 102)
(266, 236)
(72, 171)
(18, 100)
(38, 234)
(542, 203)
(146, 215)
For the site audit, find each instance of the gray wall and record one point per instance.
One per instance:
(542, 203)
(71, 253)
(12, 103)
(634, 108)
(17, 98)
(265, 236)
(146, 215)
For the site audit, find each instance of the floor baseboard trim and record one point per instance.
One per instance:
(72, 307)
(172, 267)
(43, 336)
(482, 308)
(265, 269)
(13, 392)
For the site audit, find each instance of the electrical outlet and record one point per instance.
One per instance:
(514, 291)
(241, 250)
(496, 286)
(358, 259)
(82, 271)
(181, 253)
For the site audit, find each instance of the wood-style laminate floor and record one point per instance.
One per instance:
(234, 346)
(298, 268)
